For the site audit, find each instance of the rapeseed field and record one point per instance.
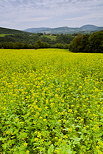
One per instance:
(51, 102)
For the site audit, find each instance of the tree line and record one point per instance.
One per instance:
(75, 43)
(88, 43)
(30, 41)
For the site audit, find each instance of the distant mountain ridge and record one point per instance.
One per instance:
(47, 30)
(82, 29)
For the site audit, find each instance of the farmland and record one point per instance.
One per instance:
(51, 102)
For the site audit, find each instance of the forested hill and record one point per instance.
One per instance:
(92, 42)
(10, 31)
(58, 30)
(65, 30)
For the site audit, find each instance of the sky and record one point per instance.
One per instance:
(23, 14)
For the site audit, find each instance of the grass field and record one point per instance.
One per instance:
(51, 102)
(52, 37)
(2, 35)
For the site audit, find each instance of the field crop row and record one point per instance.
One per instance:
(51, 102)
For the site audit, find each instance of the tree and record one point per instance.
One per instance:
(40, 44)
(79, 43)
(64, 38)
(59, 45)
(96, 42)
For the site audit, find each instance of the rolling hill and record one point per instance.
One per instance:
(64, 30)
(58, 30)
(10, 31)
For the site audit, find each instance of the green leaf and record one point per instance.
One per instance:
(51, 149)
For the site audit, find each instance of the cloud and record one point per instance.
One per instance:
(84, 17)
(41, 3)
(35, 19)
(47, 4)
(52, 13)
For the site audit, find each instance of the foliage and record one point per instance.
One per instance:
(40, 44)
(80, 43)
(88, 43)
(96, 42)
(34, 41)
(14, 39)
(51, 102)
(11, 31)
(64, 39)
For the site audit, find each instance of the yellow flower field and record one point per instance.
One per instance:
(51, 102)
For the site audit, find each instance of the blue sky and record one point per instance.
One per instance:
(22, 14)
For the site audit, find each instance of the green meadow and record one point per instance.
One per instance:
(3, 35)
